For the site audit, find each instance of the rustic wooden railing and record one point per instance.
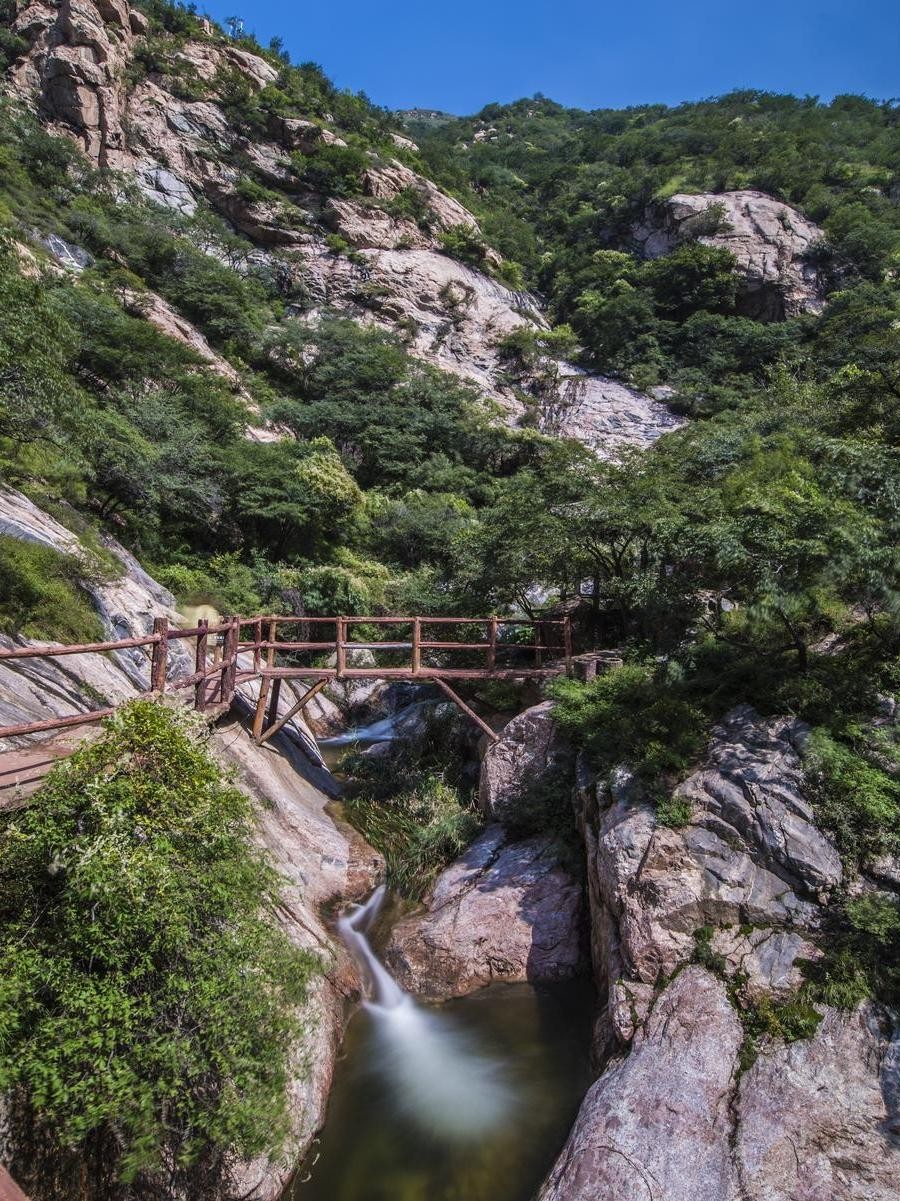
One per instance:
(497, 652)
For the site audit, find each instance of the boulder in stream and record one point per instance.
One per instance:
(506, 910)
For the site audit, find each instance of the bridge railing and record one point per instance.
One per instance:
(224, 659)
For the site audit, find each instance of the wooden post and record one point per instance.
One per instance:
(416, 645)
(160, 655)
(538, 630)
(567, 642)
(257, 648)
(200, 664)
(9, 1190)
(275, 726)
(265, 683)
(340, 651)
(274, 702)
(229, 659)
(457, 700)
(492, 645)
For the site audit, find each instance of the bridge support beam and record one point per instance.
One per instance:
(293, 711)
(467, 709)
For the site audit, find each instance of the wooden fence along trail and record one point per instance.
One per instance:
(235, 661)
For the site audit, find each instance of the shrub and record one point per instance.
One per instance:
(223, 581)
(42, 594)
(148, 995)
(465, 243)
(861, 952)
(787, 1021)
(629, 716)
(419, 831)
(856, 800)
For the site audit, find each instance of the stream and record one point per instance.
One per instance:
(467, 1101)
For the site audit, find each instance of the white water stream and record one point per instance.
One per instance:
(437, 1074)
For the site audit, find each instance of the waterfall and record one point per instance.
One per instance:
(385, 729)
(437, 1075)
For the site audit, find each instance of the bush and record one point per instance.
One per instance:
(419, 831)
(42, 594)
(147, 995)
(856, 800)
(223, 581)
(630, 716)
(786, 1021)
(861, 952)
(465, 243)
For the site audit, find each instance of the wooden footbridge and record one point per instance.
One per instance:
(272, 649)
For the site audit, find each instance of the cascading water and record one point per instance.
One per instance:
(385, 729)
(438, 1075)
(467, 1101)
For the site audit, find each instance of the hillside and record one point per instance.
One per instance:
(269, 347)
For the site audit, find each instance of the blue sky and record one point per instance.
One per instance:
(590, 53)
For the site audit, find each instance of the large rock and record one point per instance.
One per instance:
(530, 749)
(814, 1120)
(820, 1118)
(78, 54)
(657, 1126)
(750, 853)
(504, 911)
(769, 239)
(604, 414)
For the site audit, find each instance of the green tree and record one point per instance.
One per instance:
(149, 998)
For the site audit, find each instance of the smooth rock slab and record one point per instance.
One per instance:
(504, 911)
(656, 1126)
(818, 1120)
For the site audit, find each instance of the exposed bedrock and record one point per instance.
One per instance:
(506, 910)
(770, 241)
(673, 1114)
(181, 151)
(676, 1121)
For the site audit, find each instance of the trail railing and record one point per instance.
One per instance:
(224, 659)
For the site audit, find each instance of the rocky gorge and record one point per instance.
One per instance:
(267, 349)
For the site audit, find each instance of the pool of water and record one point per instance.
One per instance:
(467, 1101)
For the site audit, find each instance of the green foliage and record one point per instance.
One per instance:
(149, 996)
(465, 243)
(222, 581)
(42, 594)
(333, 170)
(861, 952)
(419, 832)
(856, 799)
(785, 1021)
(673, 811)
(633, 716)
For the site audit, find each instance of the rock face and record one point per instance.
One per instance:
(769, 239)
(750, 853)
(529, 750)
(820, 1117)
(504, 911)
(657, 1125)
(672, 1116)
(33, 690)
(178, 150)
(674, 1121)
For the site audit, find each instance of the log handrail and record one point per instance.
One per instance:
(227, 671)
